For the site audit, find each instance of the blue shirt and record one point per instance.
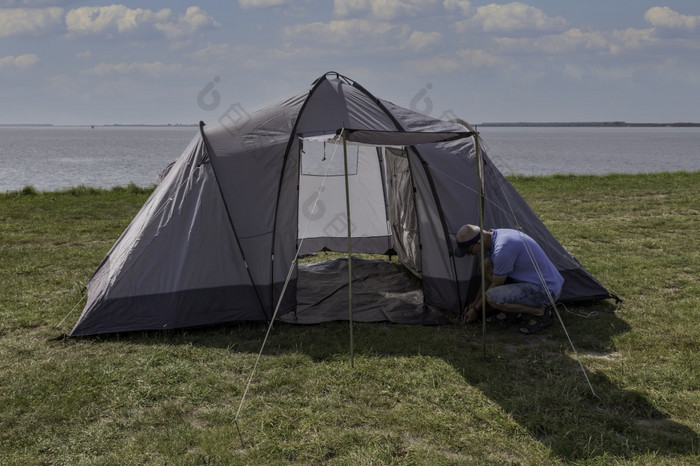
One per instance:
(512, 254)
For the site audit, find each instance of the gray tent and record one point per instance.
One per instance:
(218, 239)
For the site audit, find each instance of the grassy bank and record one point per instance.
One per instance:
(417, 395)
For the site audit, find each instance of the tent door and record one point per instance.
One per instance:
(401, 206)
(322, 205)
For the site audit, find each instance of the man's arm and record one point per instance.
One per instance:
(471, 312)
(498, 280)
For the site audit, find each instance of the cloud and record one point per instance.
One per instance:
(568, 41)
(432, 65)
(630, 39)
(463, 6)
(121, 19)
(513, 17)
(154, 69)
(663, 16)
(473, 58)
(100, 19)
(245, 4)
(28, 3)
(15, 21)
(193, 21)
(387, 9)
(22, 62)
(419, 41)
(348, 32)
(212, 50)
(573, 40)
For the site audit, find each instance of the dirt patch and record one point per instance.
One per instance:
(609, 356)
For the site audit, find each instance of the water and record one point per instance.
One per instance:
(51, 158)
(597, 151)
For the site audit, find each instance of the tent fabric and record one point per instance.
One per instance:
(322, 204)
(401, 138)
(381, 292)
(218, 239)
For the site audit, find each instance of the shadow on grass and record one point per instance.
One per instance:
(538, 381)
(533, 378)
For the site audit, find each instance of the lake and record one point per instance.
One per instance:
(587, 150)
(50, 158)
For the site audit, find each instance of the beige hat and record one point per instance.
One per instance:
(467, 236)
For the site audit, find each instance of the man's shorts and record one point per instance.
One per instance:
(526, 294)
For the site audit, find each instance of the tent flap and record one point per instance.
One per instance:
(402, 138)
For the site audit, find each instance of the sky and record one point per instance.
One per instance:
(174, 62)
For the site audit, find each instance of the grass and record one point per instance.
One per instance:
(416, 395)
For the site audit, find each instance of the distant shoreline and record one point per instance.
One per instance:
(50, 125)
(592, 124)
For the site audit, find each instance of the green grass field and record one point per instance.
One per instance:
(416, 395)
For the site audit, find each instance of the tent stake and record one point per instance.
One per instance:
(347, 210)
(238, 429)
(479, 180)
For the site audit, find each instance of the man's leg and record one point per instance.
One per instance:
(515, 308)
(523, 298)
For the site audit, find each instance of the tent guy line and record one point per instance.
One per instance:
(277, 306)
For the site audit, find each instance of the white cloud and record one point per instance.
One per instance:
(348, 32)
(28, 20)
(212, 50)
(419, 41)
(121, 19)
(193, 21)
(463, 6)
(22, 62)
(659, 16)
(260, 3)
(385, 9)
(349, 7)
(84, 55)
(478, 58)
(615, 42)
(434, 65)
(568, 41)
(26, 61)
(515, 17)
(290, 52)
(630, 39)
(28, 3)
(154, 69)
(100, 19)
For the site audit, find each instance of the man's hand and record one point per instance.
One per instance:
(469, 314)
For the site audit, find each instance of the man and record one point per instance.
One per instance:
(518, 275)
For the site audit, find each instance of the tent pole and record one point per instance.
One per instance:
(347, 210)
(479, 178)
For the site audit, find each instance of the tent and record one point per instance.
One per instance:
(218, 239)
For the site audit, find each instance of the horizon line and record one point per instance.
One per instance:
(487, 124)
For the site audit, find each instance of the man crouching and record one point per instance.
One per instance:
(520, 278)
